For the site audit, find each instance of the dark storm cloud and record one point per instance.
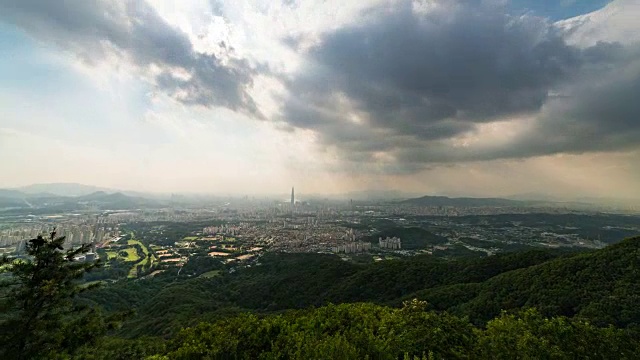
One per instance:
(602, 114)
(95, 29)
(405, 83)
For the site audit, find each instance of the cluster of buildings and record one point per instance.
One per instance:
(222, 229)
(300, 234)
(84, 234)
(15, 239)
(352, 247)
(393, 243)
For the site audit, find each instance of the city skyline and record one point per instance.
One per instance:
(463, 98)
(82, 192)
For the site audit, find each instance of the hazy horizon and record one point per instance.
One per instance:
(486, 98)
(77, 189)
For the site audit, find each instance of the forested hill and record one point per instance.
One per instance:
(292, 281)
(600, 286)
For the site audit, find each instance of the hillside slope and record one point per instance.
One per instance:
(295, 281)
(602, 286)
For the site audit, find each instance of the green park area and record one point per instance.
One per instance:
(137, 242)
(132, 254)
(145, 262)
(190, 238)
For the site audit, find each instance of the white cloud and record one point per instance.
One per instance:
(616, 22)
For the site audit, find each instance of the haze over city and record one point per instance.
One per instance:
(467, 98)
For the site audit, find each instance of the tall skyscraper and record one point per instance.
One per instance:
(293, 199)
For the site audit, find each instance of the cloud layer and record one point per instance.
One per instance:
(131, 32)
(404, 86)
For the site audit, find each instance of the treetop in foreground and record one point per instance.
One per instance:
(368, 331)
(39, 318)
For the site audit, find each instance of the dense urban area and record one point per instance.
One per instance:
(142, 242)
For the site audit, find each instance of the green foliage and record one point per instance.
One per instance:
(393, 281)
(361, 331)
(599, 286)
(348, 331)
(201, 264)
(295, 281)
(41, 321)
(112, 348)
(531, 336)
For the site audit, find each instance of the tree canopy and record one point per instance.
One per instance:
(40, 318)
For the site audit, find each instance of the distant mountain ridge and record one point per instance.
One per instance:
(115, 198)
(462, 201)
(71, 190)
(11, 194)
(62, 189)
(12, 199)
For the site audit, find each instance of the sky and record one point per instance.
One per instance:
(455, 97)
